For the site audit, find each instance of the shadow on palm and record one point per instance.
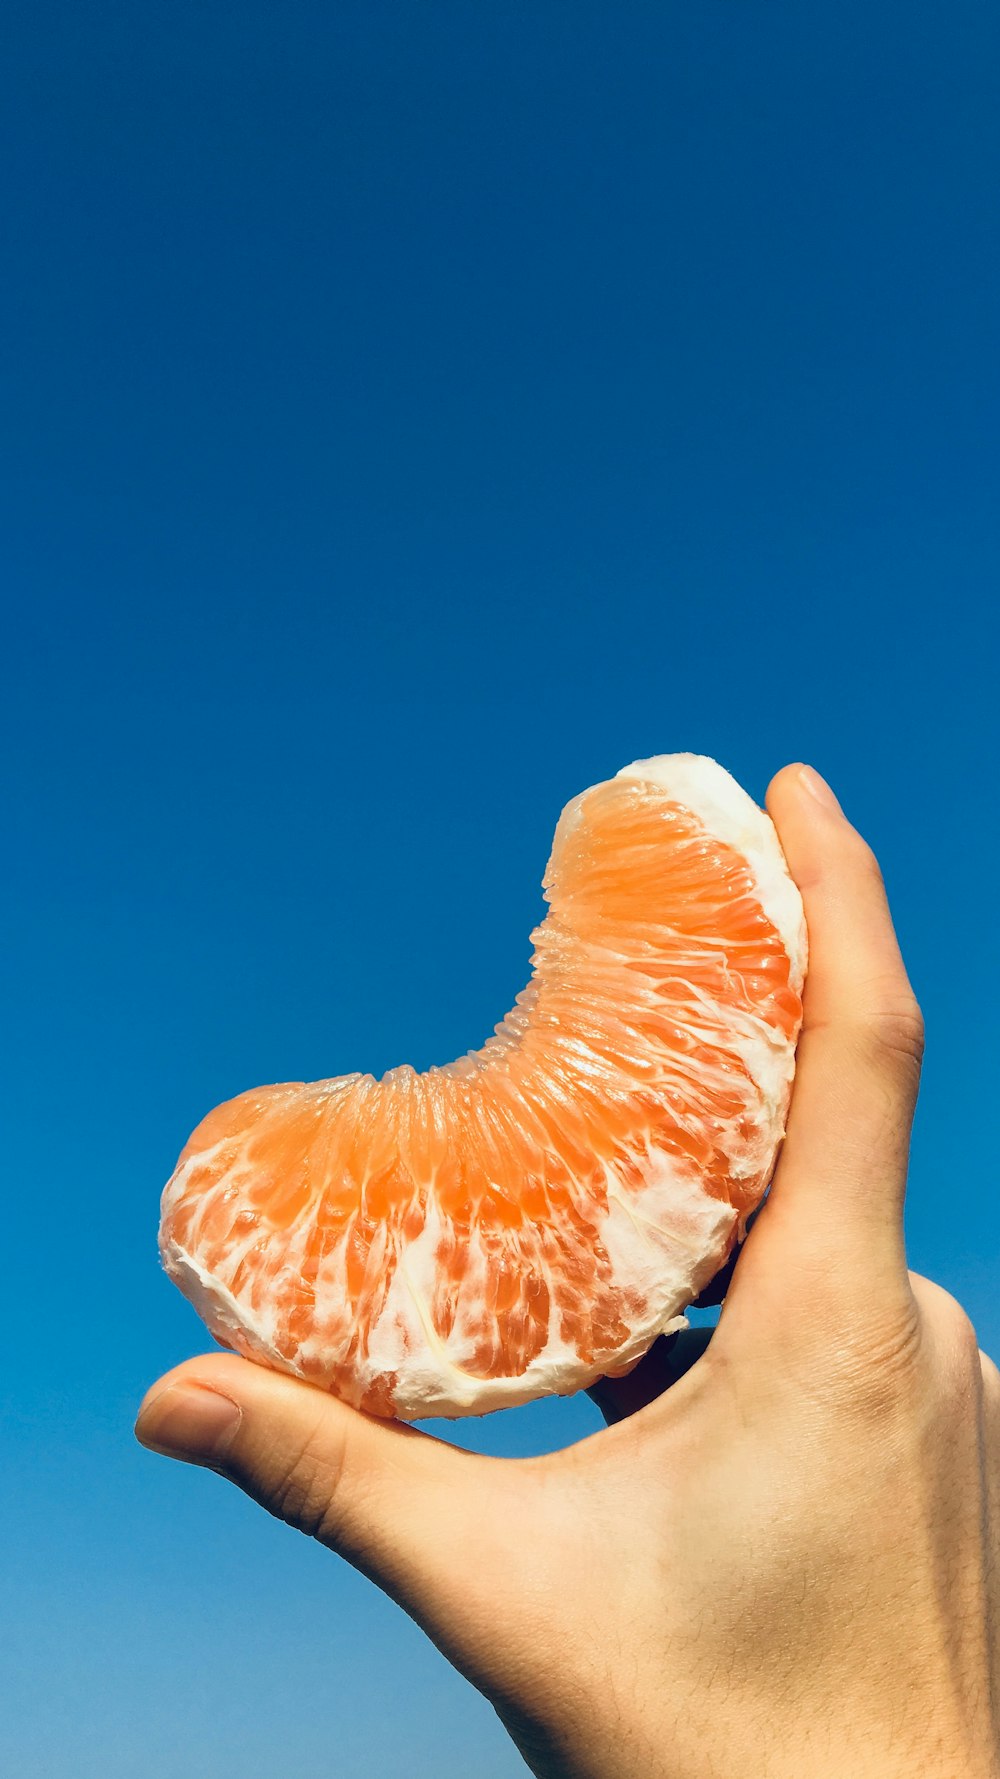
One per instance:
(668, 1358)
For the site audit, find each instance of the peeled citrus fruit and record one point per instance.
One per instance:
(529, 1218)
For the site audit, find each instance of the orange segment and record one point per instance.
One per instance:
(535, 1214)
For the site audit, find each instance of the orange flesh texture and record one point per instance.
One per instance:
(619, 1054)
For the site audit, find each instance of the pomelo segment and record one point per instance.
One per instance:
(529, 1218)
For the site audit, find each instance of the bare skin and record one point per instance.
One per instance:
(786, 1564)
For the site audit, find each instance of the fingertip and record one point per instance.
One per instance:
(784, 781)
(815, 786)
(218, 1374)
(816, 837)
(188, 1420)
(800, 784)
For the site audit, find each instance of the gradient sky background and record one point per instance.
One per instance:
(410, 414)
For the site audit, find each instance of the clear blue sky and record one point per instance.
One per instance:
(410, 414)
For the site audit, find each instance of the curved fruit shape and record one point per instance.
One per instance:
(529, 1218)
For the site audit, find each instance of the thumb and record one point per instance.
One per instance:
(405, 1509)
(831, 1232)
(844, 1162)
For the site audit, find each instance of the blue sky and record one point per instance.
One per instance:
(411, 413)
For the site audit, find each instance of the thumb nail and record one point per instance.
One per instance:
(188, 1421)
(818, 788)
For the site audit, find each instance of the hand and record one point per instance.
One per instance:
(786, 1563)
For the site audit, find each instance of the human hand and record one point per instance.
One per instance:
(788, 1562)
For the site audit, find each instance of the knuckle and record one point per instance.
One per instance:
(955, 1326)
(863, 1360)
(875, 1372)
(306, 1485)
(991, 1385)
(944, 1314)
(867, 861)
(894, 1026)
(950, 1331)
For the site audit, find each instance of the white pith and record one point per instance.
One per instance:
(728, 811)
(666, 1237)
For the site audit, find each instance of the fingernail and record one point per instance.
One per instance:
(188, 1421)
(818, 788)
